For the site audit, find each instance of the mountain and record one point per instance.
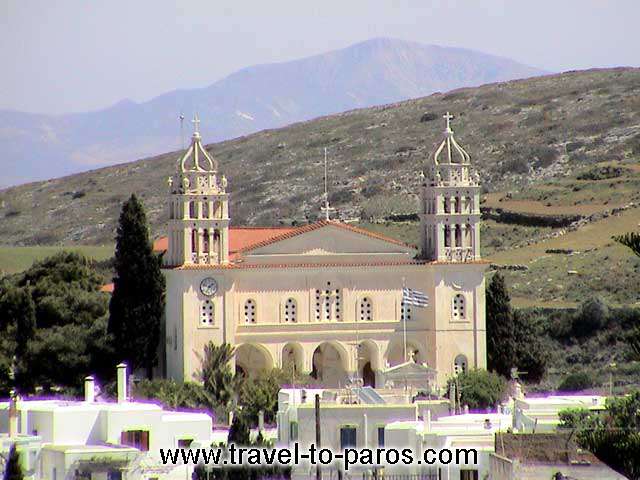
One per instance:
(558, 157)
(520, 134)
(373, 72)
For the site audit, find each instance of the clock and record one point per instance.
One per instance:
(208, 286)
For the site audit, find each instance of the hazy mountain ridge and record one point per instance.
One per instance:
(530, 136)
(370, 73)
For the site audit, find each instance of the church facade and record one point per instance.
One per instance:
(324, 298)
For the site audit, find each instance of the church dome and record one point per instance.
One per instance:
(196, 158)
(449, 150)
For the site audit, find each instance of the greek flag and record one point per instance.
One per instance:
(414, 297)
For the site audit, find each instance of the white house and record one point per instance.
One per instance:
(366, 417)
(100, 440)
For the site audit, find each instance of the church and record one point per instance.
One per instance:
(325, 298)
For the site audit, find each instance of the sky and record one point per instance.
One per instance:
(78, 55)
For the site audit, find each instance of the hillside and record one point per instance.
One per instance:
(255, 98)
(552, 149)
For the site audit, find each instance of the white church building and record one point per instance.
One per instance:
(324, 298)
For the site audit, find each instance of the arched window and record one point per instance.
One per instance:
(194, 240)
(447, 205)
(290, 311)
(250, 311)
(460, 364)
(205, 240)
(205, 209)
(192, 209)
(366, 310)
(206, 313)
(328, 304)
(405, 312)
(171, 211)
(447, 236)
(458, 235)
(458, 307)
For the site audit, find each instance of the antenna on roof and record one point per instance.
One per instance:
(182, 130)
(326, 208)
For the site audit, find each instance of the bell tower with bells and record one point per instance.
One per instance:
(198, 231)
(450, 204)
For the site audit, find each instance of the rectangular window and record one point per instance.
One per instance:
(293, 431)
(381, 436)
(347, 437)
(468, 474)
(135, 438)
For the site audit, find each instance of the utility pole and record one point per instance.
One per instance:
(318, 473)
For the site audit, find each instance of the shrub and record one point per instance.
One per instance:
(575, 382)
(591, 316)
(601, 173)
(428, 117)
(480, 389)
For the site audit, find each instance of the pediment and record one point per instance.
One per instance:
(331, 239)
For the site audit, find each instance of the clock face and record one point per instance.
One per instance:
(208, 286)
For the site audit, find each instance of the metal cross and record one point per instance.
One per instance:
(196, 123)
(448, 117)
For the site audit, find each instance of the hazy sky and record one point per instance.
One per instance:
(65, 55)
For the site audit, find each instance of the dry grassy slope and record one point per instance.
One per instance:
(524, 133)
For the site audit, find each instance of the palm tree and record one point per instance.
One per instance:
(216, 374)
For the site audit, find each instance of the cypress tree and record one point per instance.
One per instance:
(137, 303)
(501, 346)
(514, 340)
(13, 469)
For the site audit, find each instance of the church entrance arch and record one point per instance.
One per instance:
(329, 364)
(293, 358)
(368, 355)
(252, 359)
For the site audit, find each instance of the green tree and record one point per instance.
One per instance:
(53, 320)
(632, 240)
(261, 393)
(513, 338)
(18, 311)
(590, 317)
(239, 432)
(173, 394)
(137, 303)
(13, 469)
(576, 381)
(501, 347)
(614, 437)
(479, 389)
(217, 377)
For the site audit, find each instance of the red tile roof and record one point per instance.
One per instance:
(240, 238)
(243, 239)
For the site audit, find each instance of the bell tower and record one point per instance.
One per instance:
(450, 204)
(198, 209)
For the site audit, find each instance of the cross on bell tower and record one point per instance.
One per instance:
(450, 204)
(196, 124)
(448, 117)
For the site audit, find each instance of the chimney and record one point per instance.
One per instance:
(261, 421)
(13, 415)
(89, 389)
(427, 421)
(122, 382)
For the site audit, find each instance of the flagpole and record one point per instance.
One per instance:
(404, 322)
